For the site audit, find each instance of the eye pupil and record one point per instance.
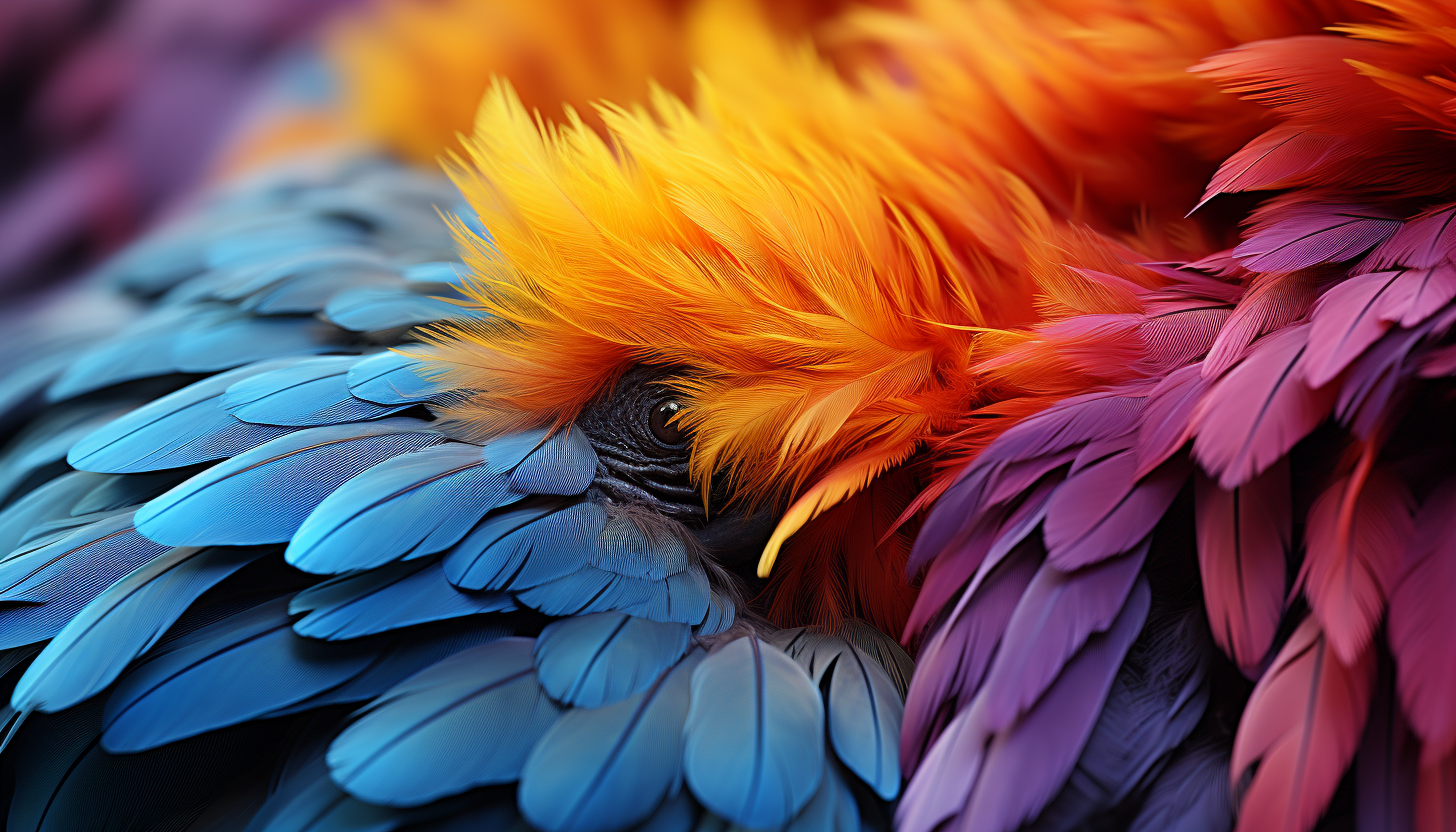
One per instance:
(659, 422)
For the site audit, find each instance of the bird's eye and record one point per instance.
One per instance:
(659, 421)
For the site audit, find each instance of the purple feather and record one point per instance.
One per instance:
(1258, 411)
(942, 786)
(1026, 765)
(1296, 236)
(1165, 426)
(1104, 509)
(1374, 378)
(948, 523)
(1052, 621)
(1191, 795)
(953, 661)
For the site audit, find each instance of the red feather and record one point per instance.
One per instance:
(1258, 411)
(1243, 536)
(1355, 536)
(1302, 725)
(1422, 624)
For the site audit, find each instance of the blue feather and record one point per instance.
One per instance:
(625, 548)
(398, 595)
(832, 808)
(280, 237)
(377, 310)
(391, 378)
(470, 720)
(679, 813)
(413, 505)
(51, 501)
(244, 340)
(1191, 795)
(141, 350)
(45, 441)
(525, 545)
(595, 660)
(755, 735)
(312, 392)
(253, 278)
(252, 665)
(122, 491)
(313, 290)
(864, 709)
(53, 582)
(681, 598)
(317, 805)
(440, 271)
(120, 624)
(263, 495)
(720, 615)
(603, 769)
(179, 429)
(564, 464)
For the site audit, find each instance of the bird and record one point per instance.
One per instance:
(608, 476)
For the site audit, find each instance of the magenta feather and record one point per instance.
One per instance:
(1345, 322)
(1278, 157)
(1243, 538)
(1422, 621)
(1258, 411)
(1424, 242)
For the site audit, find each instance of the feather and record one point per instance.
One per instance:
(308, 393)
(43, 589)
(1386, 766)
(681, 598)
(1301, 727)
(1282, 155)
(1244, 535)
(525, 544)
(1191, 794)
(1255, 413)
(832, 809)
(563, 464)
(603, 769)
(311, 291)
(1157, 697)
(315, 804)
(1345, 322)
(391, 378)
(141, 350)
(1025, 765)
(1354, 537)
(1165, 426)
(954, 659)
(114, 493)
(863, 709)
(1425, 242)
(120, 624)
(408, 506)
(51, 501)
(1051, 623)
(470, 720)
(754, 750)
(1374, 379)
(379, 309)
(448, 272)
(594, 660)
(1273, 302)
(1101, 510)
(264, 495)
(44, 442)
(379, 600)
(236, 341)
(1418, 294)
(1290, 236)
(1422, 618)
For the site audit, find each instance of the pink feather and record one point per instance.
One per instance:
(1426, 241)
(1301, 726)
(1346, 320)
(1355, 536)
(1165, 426)
(1273, 302)
(1243, 536)
(1258, 411)
(1290, 235)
